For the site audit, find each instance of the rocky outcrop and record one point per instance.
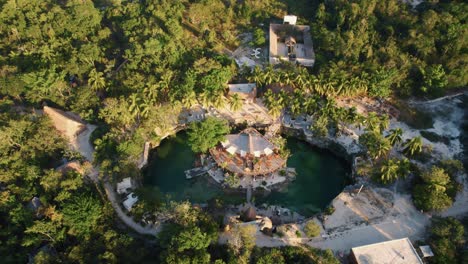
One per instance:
(144, 155)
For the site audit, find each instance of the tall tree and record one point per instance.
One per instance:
(235, 102)
(206, 134)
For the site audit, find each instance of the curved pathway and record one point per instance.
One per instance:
(84, 147)
(147, 230)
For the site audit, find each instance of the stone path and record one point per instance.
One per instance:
(249, 194)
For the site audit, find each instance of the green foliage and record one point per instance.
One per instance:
(311, 229)
(447, 240)
(320, 126)
(432, 193)
(290, 254)
(81, 214)
(235, 102)
(187, 238)
(259, 37)
(242, 242)
(395, 136)
(453, 167)
(232, 181)
(384, 42)
(206, 134)
(414, 146)
(377, 146)
(434, 80)
(392, 169)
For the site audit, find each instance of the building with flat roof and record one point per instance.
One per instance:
(398, 251)
(290, 42)
(246, 91)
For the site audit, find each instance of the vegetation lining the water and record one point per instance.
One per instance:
(133, 66)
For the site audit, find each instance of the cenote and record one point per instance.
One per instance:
(320, 177)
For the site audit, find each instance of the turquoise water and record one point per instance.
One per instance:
(320, 177)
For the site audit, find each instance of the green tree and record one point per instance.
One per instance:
(311, 229)
(242, 242)
(395, 136)
(414, 146)
(232, 181)
(393, 169)
(206, 134)
(447, 240)
(432, 193)
(186, 238)
(259, 37)
(320, 126)
(434, 80)
(96, 80)
(82, 214)
(377, 146)
(235, 102)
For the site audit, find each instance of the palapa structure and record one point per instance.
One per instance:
(248, 153)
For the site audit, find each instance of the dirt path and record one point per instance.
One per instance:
(147, 230)
(82, 144)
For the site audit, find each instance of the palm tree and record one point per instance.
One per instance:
(382, 148)
(285, 78)
(351, 115)
(96, 80)
(145, 108)
(384, 122)
(218, 101)
(151, 92)
(189, 100)
(389, 170)
(395, 136)
(309, 104)
(257, 76)
(235, 102)
(275, 109)
(204, 99)
(134, 107)
(372, 122)
(268, 98)
(414, 145)
(268, 75)
(295, 105)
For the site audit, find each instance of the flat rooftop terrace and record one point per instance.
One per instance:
(398, 251)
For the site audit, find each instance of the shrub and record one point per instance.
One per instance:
(259, 37)
(446, 240)
(298, 233)
(311, 229)
(432, 193)
(329, 210)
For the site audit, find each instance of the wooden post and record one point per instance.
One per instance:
(360, 189)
